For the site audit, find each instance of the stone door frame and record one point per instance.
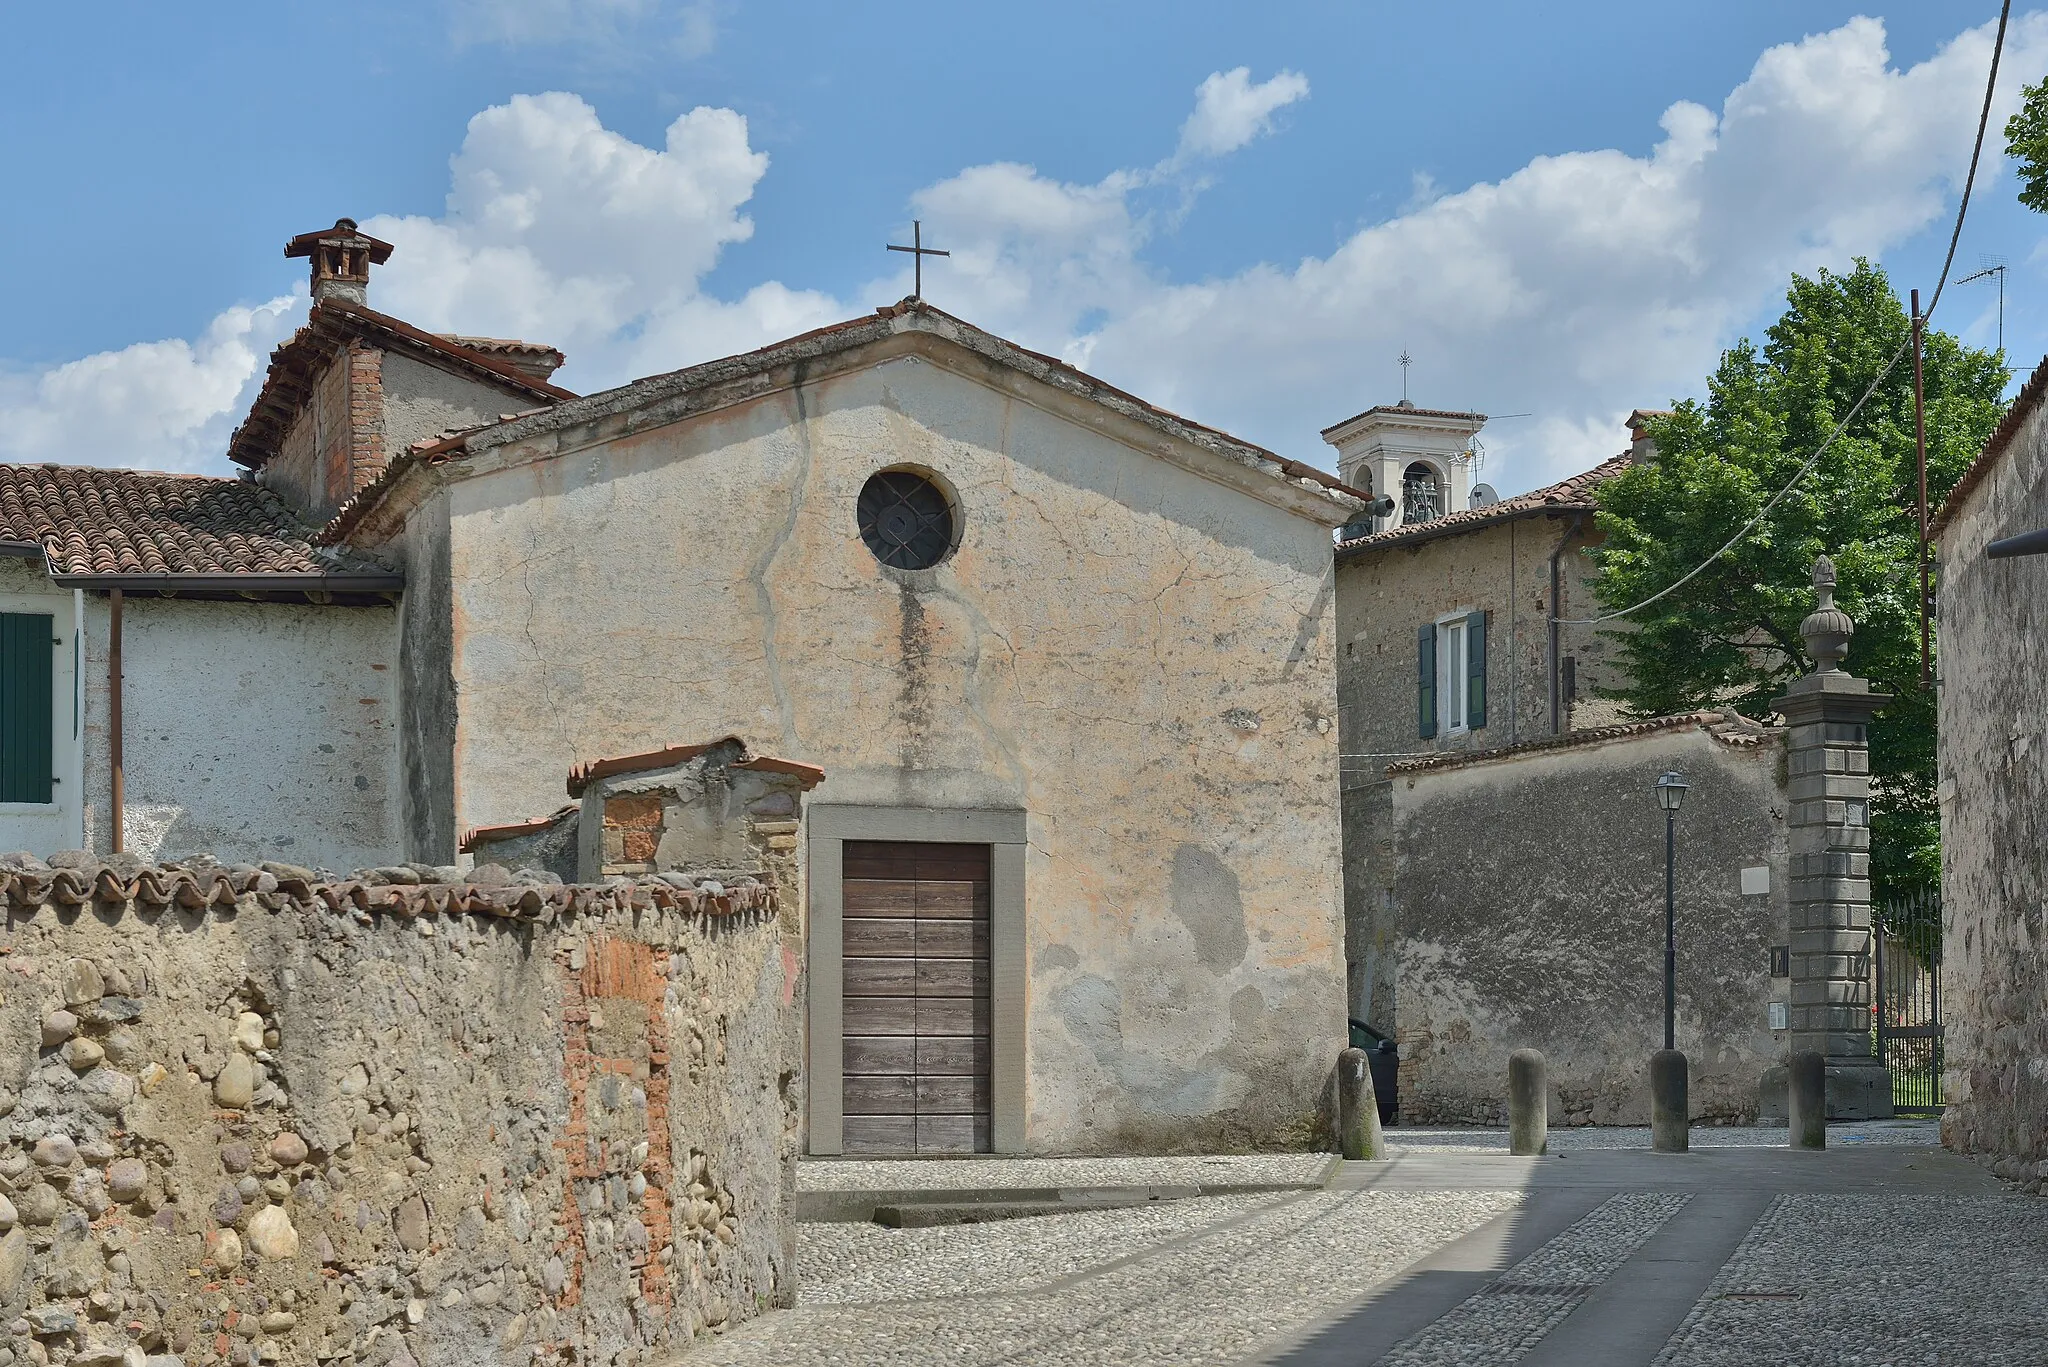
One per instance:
(827, 826)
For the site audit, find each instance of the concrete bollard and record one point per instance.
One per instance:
(1358, 1110)
(1670, 1103)
(1528, 1104)
(1806, 1097)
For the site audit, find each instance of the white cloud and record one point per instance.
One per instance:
(560, 230)
(617, 26)
(166, 405)
(1580, 286)
(1230, 111)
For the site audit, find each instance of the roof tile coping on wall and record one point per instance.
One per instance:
(1565, 496)
(75, 878)
(659, 400)
(2023, 405)
(590, 771)
(1731, 728)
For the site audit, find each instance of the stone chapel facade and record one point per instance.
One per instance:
(1067, 662)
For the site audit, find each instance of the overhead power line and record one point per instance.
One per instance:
(1955, 237)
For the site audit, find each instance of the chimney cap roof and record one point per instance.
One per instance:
(344, 233)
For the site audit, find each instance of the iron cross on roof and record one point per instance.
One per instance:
(918, 252)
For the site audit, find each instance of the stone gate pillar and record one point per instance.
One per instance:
(1828, 713)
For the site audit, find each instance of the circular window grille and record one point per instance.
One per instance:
(905, 520)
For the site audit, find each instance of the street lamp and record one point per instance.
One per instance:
(1671, 789)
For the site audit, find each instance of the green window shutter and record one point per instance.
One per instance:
(1425, 675)
(26, 670)
(1475, 670)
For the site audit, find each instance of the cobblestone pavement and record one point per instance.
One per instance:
(1906, 1281)
(906, 1174)
(1472, 1139)
(1893, 1256)
(1198, 1281)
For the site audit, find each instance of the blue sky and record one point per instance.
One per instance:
(1242, 213)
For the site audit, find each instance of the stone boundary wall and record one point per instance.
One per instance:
(397, 1120)
(1527, 911)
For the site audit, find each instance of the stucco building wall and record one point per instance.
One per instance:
(1993, 699)
(251, 731)
(1135, 657)
(1383, 596)
(1528, 911)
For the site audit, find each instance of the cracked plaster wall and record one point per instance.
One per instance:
(1529, 912)
(1993, 696)
(1137, 656)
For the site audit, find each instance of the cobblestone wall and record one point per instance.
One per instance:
(395, 1121)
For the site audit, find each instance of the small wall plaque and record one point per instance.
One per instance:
(1777, 1015)
(1781, 961)
(1756, 880)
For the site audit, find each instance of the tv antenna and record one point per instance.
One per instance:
(1992, 265)
(1475, 453)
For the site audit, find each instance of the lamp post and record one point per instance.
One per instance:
(1670, 1107)
(1671, 789)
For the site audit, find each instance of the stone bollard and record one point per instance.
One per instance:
(1670, 1104)
(1358, 1110)
(1806, 1097)
(1528, 1104)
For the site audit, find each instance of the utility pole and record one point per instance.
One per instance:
(1920, 462)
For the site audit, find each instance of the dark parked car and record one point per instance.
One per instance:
(1385, 1061)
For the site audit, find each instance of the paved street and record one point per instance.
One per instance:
(1883, 1250)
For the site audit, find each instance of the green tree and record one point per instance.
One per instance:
(2026, 142)
(1730, 637)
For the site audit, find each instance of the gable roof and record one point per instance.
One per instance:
(143, 529)
(2023, 405)
(295, 367)
(660, 400)
(1566, 496)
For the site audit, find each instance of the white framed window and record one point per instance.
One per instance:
(1452, 663)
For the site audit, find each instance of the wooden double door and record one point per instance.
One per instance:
(915, 927)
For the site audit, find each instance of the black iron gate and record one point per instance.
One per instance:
(1908, 1000)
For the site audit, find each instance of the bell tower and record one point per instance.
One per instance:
(1419, 457)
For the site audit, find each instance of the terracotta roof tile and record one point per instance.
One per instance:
(296, 364)
(590, 771)
(1569, 495)
(98, 523)
(1731, 728)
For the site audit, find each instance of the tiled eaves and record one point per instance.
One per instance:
(660, 400)
(1574, 495)
(1730, 728)
(2023, 405)
(588, 772)
(113, 527)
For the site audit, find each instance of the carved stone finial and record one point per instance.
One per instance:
(1827, 629)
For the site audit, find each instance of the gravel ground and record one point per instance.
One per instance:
(1199, 1281)
(905, 1174)
(1473, 1140)
(1497, 1323)
(1903, 1281)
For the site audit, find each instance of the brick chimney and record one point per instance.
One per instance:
(341, 257)
(1641, 444)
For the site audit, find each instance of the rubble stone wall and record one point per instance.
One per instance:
(1993, 739)
(396, 1121)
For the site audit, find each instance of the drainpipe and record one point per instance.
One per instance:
(1556, 587)
(114, 715)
